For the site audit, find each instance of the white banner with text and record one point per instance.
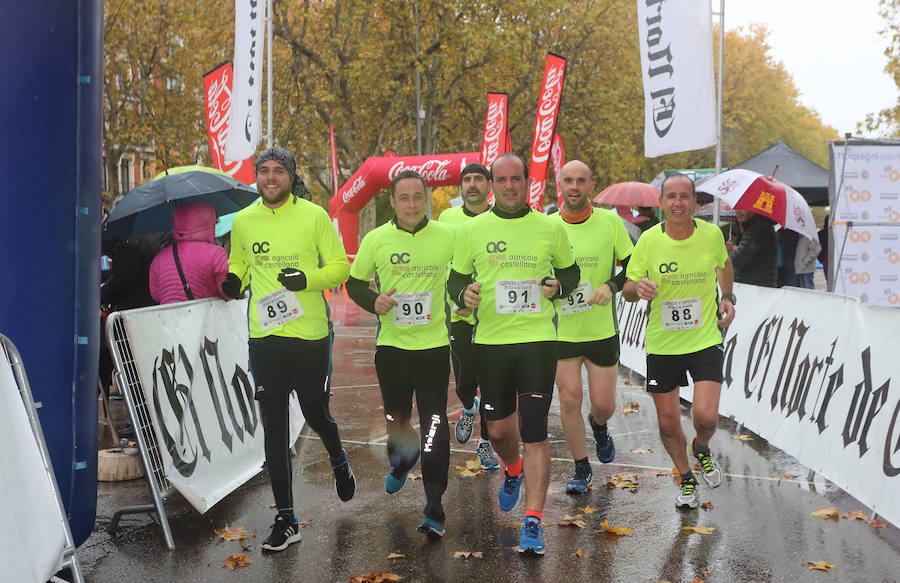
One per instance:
(811, 373)
(193, 365)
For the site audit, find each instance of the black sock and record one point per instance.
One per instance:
(689, 475)
(582, 462)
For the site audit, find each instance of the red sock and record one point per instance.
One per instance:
(516, 468)
(535, 513)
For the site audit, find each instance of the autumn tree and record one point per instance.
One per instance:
(887, 121)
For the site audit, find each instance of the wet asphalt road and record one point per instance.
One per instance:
(761, 514)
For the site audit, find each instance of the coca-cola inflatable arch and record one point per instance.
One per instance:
(376, 174)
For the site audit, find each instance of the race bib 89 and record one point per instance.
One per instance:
(279, 307)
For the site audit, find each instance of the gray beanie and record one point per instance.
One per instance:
(286, 159)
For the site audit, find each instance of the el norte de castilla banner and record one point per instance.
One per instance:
(811, 373)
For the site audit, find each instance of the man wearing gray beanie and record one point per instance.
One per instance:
(287, 251)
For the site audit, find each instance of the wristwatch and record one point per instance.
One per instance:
(730, 297)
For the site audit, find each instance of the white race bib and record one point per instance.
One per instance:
(413, 308)
(279, 307)
(518, 296)
(577, 301)
(682, 314)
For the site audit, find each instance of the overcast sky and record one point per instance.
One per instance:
(831, 48)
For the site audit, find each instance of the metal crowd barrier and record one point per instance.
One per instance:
(129, 384)
(11, 353)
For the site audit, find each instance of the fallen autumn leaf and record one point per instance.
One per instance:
(700, 529)
(240, 560)
(619, 530)
(742, 437)
(855, 515)
(821, 565)
(237, 533)
(826, 512)
(707, 506)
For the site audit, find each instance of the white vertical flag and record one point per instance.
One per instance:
(677, 67)
(249, 44)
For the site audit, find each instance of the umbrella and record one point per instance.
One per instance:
(629, 194)
(751, 191)
(225, 222)
(150, 207)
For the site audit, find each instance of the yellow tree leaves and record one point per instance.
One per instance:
(821, 565)
(699, 529)
(375, 577)
(619, 530)
(238, 560)
(826, 512)
(236, 533)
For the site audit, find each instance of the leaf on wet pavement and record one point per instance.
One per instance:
(376, 577)
(707, 506)
(273, 505)
(473, 464)
(632, 407)
(623, 481)
(236, 533)
(468, 555)
(568, 520)
(580, 553)
(820, 565)
(587, 510)
(641, 450)
(831, 512)
(656, 473)
(465, 472)
(875, 523)
(855, 515)
(742, 437)
(396, 558)
(619, 530)
(240, 560)
(415, 476)
(629, 381)
(699, 529)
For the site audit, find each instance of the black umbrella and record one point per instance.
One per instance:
(150, 207)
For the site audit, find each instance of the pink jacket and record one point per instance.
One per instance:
(204, 263)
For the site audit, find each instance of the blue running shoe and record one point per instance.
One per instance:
(532, 536)
(582, 480)
(431, 528)
(606, 449)
(395, 480)
(486, 456)
(509, 491)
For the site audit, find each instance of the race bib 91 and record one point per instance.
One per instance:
(277, 308)
(576, 302)
(518, 296)
(682, 314)
(413, 308)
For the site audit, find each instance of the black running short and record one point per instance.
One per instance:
(665, 372)
(601, 352)
(507, 371)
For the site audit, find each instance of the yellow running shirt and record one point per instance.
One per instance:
(416, 264)
(684, 314)
(510, 257)
(457, 216)
(297, 234)
(598, 242)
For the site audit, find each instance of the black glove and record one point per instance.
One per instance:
(293, 279)
(232, 286)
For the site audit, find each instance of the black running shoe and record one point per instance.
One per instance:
(284, 532)
(344, 480)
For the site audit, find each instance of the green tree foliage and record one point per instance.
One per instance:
(887, 121)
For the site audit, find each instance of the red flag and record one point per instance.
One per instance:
(495, 128)
(334, 165)
(217, 90)
(558, 153)
(545, 127)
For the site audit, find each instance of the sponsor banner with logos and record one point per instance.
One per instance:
(193, 365)
(217, 95)
(558, 153)
(545, 128)
(865, 222)
(810, 372)
(493, 139)
(249, 45)
(677, 68)
(33, 534)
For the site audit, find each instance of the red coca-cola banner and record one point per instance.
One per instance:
(545, 127)
(495, 128)
(217, 91)
(558, 153)
(377, 173)
(334, 165)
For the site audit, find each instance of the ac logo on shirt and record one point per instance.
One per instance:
(397, 258)
(671, 267)
(260, 247)
(496, 246)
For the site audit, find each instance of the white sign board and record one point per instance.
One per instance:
(32, 533)
(811, 372)
(193, 366)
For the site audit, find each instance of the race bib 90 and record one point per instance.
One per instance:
(277, 308)
(412, 309)
(518, 296)
(682, 314)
